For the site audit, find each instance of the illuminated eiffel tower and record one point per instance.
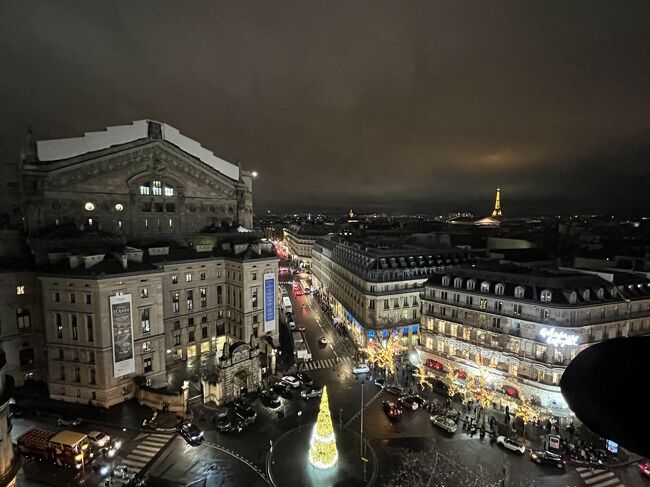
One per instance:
(497, 205)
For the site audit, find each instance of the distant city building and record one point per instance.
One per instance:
(526, 324)
(300, 241)
(375, 290)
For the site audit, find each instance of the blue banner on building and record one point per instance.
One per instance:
(269, 302)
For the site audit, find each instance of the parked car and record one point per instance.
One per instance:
(445, 423)
(547, 457)
(98, 439)
(393, 389)
(280, 388)
(421, 400)
(229, 423)
(391, 409)
(246, 413)
(408, 402)
(291, 380)
(271, 398)
(511, 444)
(65, 421)
(381, 382)
(307, 394)
(323, 340)
(361, 369)
(192, 434)
(304, 379)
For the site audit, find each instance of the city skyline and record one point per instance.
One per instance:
(421, 108)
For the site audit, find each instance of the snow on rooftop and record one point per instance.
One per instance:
(57, 149)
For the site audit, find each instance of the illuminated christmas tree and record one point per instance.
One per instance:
(323, 453)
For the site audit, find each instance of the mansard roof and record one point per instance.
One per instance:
(566, 287)
(91, 142)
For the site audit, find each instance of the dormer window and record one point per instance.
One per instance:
(458, 283)
(586, 294)
(445, 281)
(519, 292)
(546, 296)
(485, 287)
(573, 297)
(499, 288)
(600, 293)
(471, 285)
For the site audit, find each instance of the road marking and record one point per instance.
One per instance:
(240, 458)
(148, 448)
(358, 413)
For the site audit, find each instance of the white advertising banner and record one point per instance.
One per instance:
(269, 302)
(122, 335)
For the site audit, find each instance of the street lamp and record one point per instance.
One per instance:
(254, 174)
(299, 414)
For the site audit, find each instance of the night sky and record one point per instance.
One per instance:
(388, 106)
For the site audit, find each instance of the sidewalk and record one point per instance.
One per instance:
(535, 435)
(129, 414)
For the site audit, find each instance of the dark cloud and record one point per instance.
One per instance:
(390, 105)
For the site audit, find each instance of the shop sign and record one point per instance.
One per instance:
(558, 338)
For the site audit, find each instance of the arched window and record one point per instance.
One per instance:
(485, 287)
(445, 281)
(547, 296)
(156, 188)
(499, 288)
(471, 285)
(458, 283)
(169, 190)
(145, 188)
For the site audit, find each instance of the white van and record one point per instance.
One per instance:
(292, 326)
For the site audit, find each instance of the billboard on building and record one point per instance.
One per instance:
(269, 302)
(122, 335)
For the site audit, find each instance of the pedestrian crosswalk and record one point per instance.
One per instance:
(329, 363)
(599, 478)
(147, 448)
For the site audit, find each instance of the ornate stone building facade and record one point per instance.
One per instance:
(141, 211)
(238, 372)
(9, 461)
(376, 290)
(526, 325)
(143, 179)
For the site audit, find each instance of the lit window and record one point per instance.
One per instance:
(89, 206)
(144, 189)
(156, 188)
(188, 277)
(20, 289)
(146, 346)
(119, 207)
(169, 191)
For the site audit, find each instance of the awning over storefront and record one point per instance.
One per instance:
(510, 391)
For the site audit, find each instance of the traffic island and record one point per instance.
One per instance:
(288, 462)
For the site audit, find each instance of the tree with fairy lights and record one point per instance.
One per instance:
(526, 412)
(323, 453)
(383, 356)
(420, 375)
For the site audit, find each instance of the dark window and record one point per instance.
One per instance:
(148, 365)
(170, 207)
(190, 321)
(89, 327)
(177, 339)
(256, 318)
(57, 297)
(93, 376)
(23, 318)
(87, 298)
(219, 294)
(158, 207)
(204, 332)
(75, 330)
(190, 336)
(26, 357)
(59, 325)
(73, 298)
(202, 276)
(177, 325)
(146, 207)
(254, 297)
(144, 320)
(204, 319)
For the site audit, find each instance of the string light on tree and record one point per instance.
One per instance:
(526, 412)
(421, 375)
(323, 453)
(384, 355)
